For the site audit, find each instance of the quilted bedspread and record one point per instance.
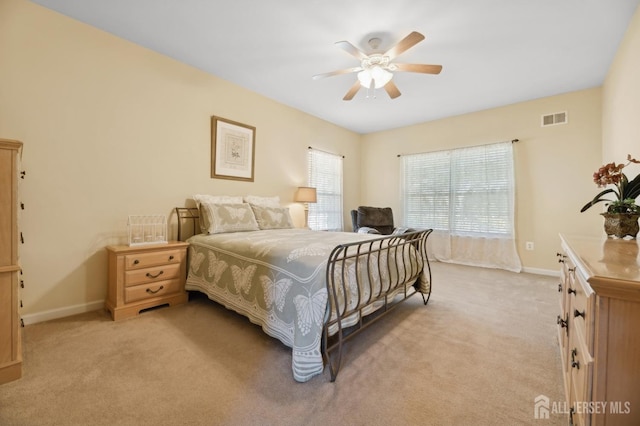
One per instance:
(276, 278)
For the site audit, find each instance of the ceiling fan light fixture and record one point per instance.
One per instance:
(376, 69)
(379, 76)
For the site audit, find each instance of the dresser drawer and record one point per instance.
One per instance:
(580, 365)
(581, 310)
(148, 291)
(145, 260)
(150, 275)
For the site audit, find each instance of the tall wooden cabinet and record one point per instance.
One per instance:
(10, 343)
(599, 330)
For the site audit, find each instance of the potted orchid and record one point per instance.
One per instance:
(621, 217)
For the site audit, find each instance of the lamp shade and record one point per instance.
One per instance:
(305, 194)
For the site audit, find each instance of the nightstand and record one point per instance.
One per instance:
(143, 277)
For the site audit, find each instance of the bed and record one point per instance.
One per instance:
(312, 290)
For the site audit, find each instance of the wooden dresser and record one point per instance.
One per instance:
(599, 330)
(143, 277)
(10, 342)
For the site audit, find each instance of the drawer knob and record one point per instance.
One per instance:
(135, 262)
(571, 291)
(560, 288)
(154, 291)
(562, 323)
(571, 269)
(150, 275)
(171, 257)
(574, 364)
(560, 260)
(577, 313)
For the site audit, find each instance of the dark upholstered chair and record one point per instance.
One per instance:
(373, 220)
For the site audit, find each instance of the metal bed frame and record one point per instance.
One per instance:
(379, 252)
(385, 253)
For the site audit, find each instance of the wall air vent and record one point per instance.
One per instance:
(555, 118)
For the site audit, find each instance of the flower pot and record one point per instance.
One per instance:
(621, 224)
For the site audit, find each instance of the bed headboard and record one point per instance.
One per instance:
(188, 222)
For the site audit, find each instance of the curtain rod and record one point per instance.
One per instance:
(472, 146)
(326, 152)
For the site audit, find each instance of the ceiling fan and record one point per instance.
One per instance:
(376, 69)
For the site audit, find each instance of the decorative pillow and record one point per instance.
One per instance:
(213, 199)
(272, 217)
(262, 201)
(228, 217)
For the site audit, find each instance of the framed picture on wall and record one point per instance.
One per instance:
(233, 147)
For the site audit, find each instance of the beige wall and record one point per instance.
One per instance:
(112, 129)
(553, 165)
(621, 101)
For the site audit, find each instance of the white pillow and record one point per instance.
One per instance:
(217, 199)
(262, 201)
(228, 217)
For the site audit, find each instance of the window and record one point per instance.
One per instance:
(325, 174)
(467, 196)
(465, 191)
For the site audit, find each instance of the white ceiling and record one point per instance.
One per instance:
(493, 52)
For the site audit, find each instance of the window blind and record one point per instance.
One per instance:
(466, 191)
(325, 174)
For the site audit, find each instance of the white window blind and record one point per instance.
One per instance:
(426, 190)
(467, 196)
(325, 174)
(465, 191)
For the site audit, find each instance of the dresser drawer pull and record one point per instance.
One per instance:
(571, 413)
(571, 291)
(154, 291)
(571, 269)
(150, 275)
(562, 323)
(171, 257)
(574, 363)
(135, 262)
(577, 313)
(560, 288)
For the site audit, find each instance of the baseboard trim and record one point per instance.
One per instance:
(62, 312)
(539, 271)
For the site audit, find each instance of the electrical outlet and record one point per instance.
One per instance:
(529, 245)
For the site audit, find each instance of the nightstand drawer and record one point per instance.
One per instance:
(147, 291)
(150, 275)
(144, 260)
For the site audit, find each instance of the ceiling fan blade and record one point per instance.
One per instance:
(352, 92)
(351, 49)
(423, 68)
(404, 44)
(392, 89)
(332, 73)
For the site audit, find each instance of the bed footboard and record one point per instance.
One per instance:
(366, 280)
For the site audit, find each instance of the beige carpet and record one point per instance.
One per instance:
(478, 354)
